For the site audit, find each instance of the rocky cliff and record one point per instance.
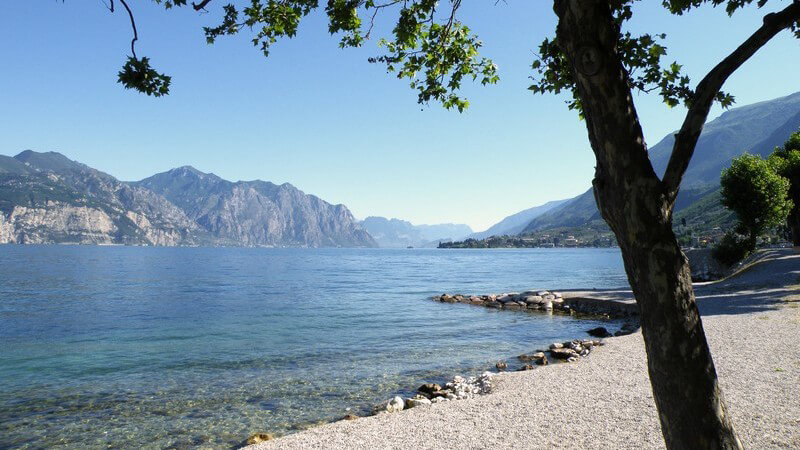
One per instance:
(258, 213)
(48, 198)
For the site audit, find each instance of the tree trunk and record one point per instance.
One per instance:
(634, 203)
(752, 238)
(794, 224)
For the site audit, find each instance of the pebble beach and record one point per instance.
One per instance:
(752, 321)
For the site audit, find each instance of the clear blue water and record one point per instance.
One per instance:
(181, 347)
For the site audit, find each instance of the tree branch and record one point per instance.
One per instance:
(707, 90)
(201, 5)
(133, 25)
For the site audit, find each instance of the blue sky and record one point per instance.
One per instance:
(323, 118)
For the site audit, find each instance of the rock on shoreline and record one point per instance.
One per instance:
(459, 388)
(542, 300)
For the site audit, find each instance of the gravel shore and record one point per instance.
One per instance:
(752, 322)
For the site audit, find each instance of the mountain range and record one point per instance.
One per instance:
(515, 223)
(48, 198)
(756, 128)
(400, 233)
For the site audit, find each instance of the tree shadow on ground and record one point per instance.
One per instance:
(770, 283)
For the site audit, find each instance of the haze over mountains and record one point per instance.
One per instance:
(515, 223)
(756, 128)
(48, 198)
(400, 233)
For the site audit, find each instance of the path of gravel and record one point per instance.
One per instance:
(604, 401)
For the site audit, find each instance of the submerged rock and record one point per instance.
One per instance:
(501, 365)
(257, 438)
(350, 416)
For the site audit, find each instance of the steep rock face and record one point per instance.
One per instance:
(47, 198)
(57, 223)
(258, 213)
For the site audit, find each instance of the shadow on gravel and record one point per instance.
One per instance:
(742, 302)
(767, 285)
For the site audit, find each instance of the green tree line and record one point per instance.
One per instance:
(763, 193)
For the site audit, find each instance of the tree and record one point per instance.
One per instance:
(752, 189)
(601, 64)
(786, 162)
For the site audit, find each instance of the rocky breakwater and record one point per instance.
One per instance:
(548, 301)
(459, 388)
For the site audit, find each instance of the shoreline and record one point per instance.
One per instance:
(749, 318)
(458, 387)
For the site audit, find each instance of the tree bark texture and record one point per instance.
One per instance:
(794, 225)
(638, 208)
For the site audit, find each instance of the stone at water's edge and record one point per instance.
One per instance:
(418, 400)
(258, 438)
(563, 353)
(428, 389)
(395, 405)
(535, 299)
(600, 332)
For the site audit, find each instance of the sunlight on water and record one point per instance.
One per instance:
(180, 347)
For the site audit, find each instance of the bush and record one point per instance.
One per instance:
(730, 249)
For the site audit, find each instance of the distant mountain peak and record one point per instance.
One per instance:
(402, 233)
(49, 161)
(257, 213)
(185, 171)
(756, 128)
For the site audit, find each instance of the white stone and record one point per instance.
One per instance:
(396, 404)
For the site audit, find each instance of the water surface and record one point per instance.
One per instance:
(180, 347)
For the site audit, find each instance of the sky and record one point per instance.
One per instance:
(328, 122)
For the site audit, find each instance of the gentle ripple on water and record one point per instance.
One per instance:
(180, 347)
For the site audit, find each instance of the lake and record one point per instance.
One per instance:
(180, 347)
